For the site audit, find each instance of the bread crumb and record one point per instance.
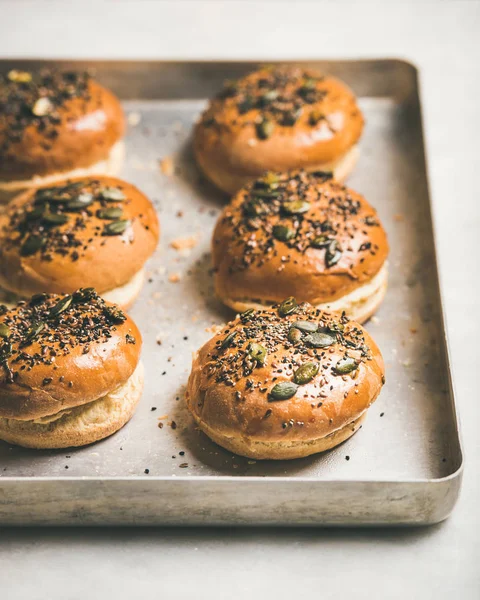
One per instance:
(134, 118)
(413, 330)
(398, 217)
(185, 243)
(174, 278)
(162, 418)
(375, 319)
(213, 329)
(166, 166)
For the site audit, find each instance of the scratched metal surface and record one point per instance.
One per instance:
(410, 433)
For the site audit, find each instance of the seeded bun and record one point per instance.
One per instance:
(61, 352)
(53, 123)
(246, 391)
(106, 230)
(304, 233)
(277, 119)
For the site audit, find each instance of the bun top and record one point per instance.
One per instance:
(53, 122)
(296, 231)
(288, 373)
(279, 118)
(96, 232)
(57, 352)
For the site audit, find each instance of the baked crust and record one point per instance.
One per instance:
(54, 122)
(53, 359)
(276, 119)
(77, 253)
(331, 246)
(81, 425)
(232, 396)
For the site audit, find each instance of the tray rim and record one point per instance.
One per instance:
(387, 61)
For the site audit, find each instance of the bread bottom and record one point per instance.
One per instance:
(358, 305)
(231, 183)
(112, 166)
(124, 296)
(81, 425)
(286, 450)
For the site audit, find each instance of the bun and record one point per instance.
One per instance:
(60, 352)
(53, 123)
(301, 233)
(247, 393)
(89, 232)
(81, 425)
(277, 119)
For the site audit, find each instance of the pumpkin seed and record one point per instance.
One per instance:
(287, 306)
(266, 193)
(32, 244)
(111, 194)
(320, 340)
(333, 254)
(81, 201)
(35, 214)
(337, 327)
(294, 335)
(321, 241)
(296, 207)
(116, 227)
(4, 330)
(113, 213)
(55, 218)
(305, 373)
(227, 341)
(283, 391)
(345, 365)
(42, 107)
(35, 328)
(283, 233)
(306, 326)
(60, 307)
(265, 129)
(258, 353)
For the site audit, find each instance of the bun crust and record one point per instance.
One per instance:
(78, 252)
(331, 246)
(81, 425)
(232, 395)
(52, 361)
(276, 120)
(52, 122)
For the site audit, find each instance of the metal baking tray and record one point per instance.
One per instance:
(403, 467)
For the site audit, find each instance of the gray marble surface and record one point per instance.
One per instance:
(443, 40)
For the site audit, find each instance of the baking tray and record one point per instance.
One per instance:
(404, 467)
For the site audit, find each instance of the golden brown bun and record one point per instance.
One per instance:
(80, 355)
(81, 425)
(52, 122)
(254, 267)
(77, 253)
(277, 119)
(232, 394)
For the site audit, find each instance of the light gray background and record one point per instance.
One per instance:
(443, 40)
